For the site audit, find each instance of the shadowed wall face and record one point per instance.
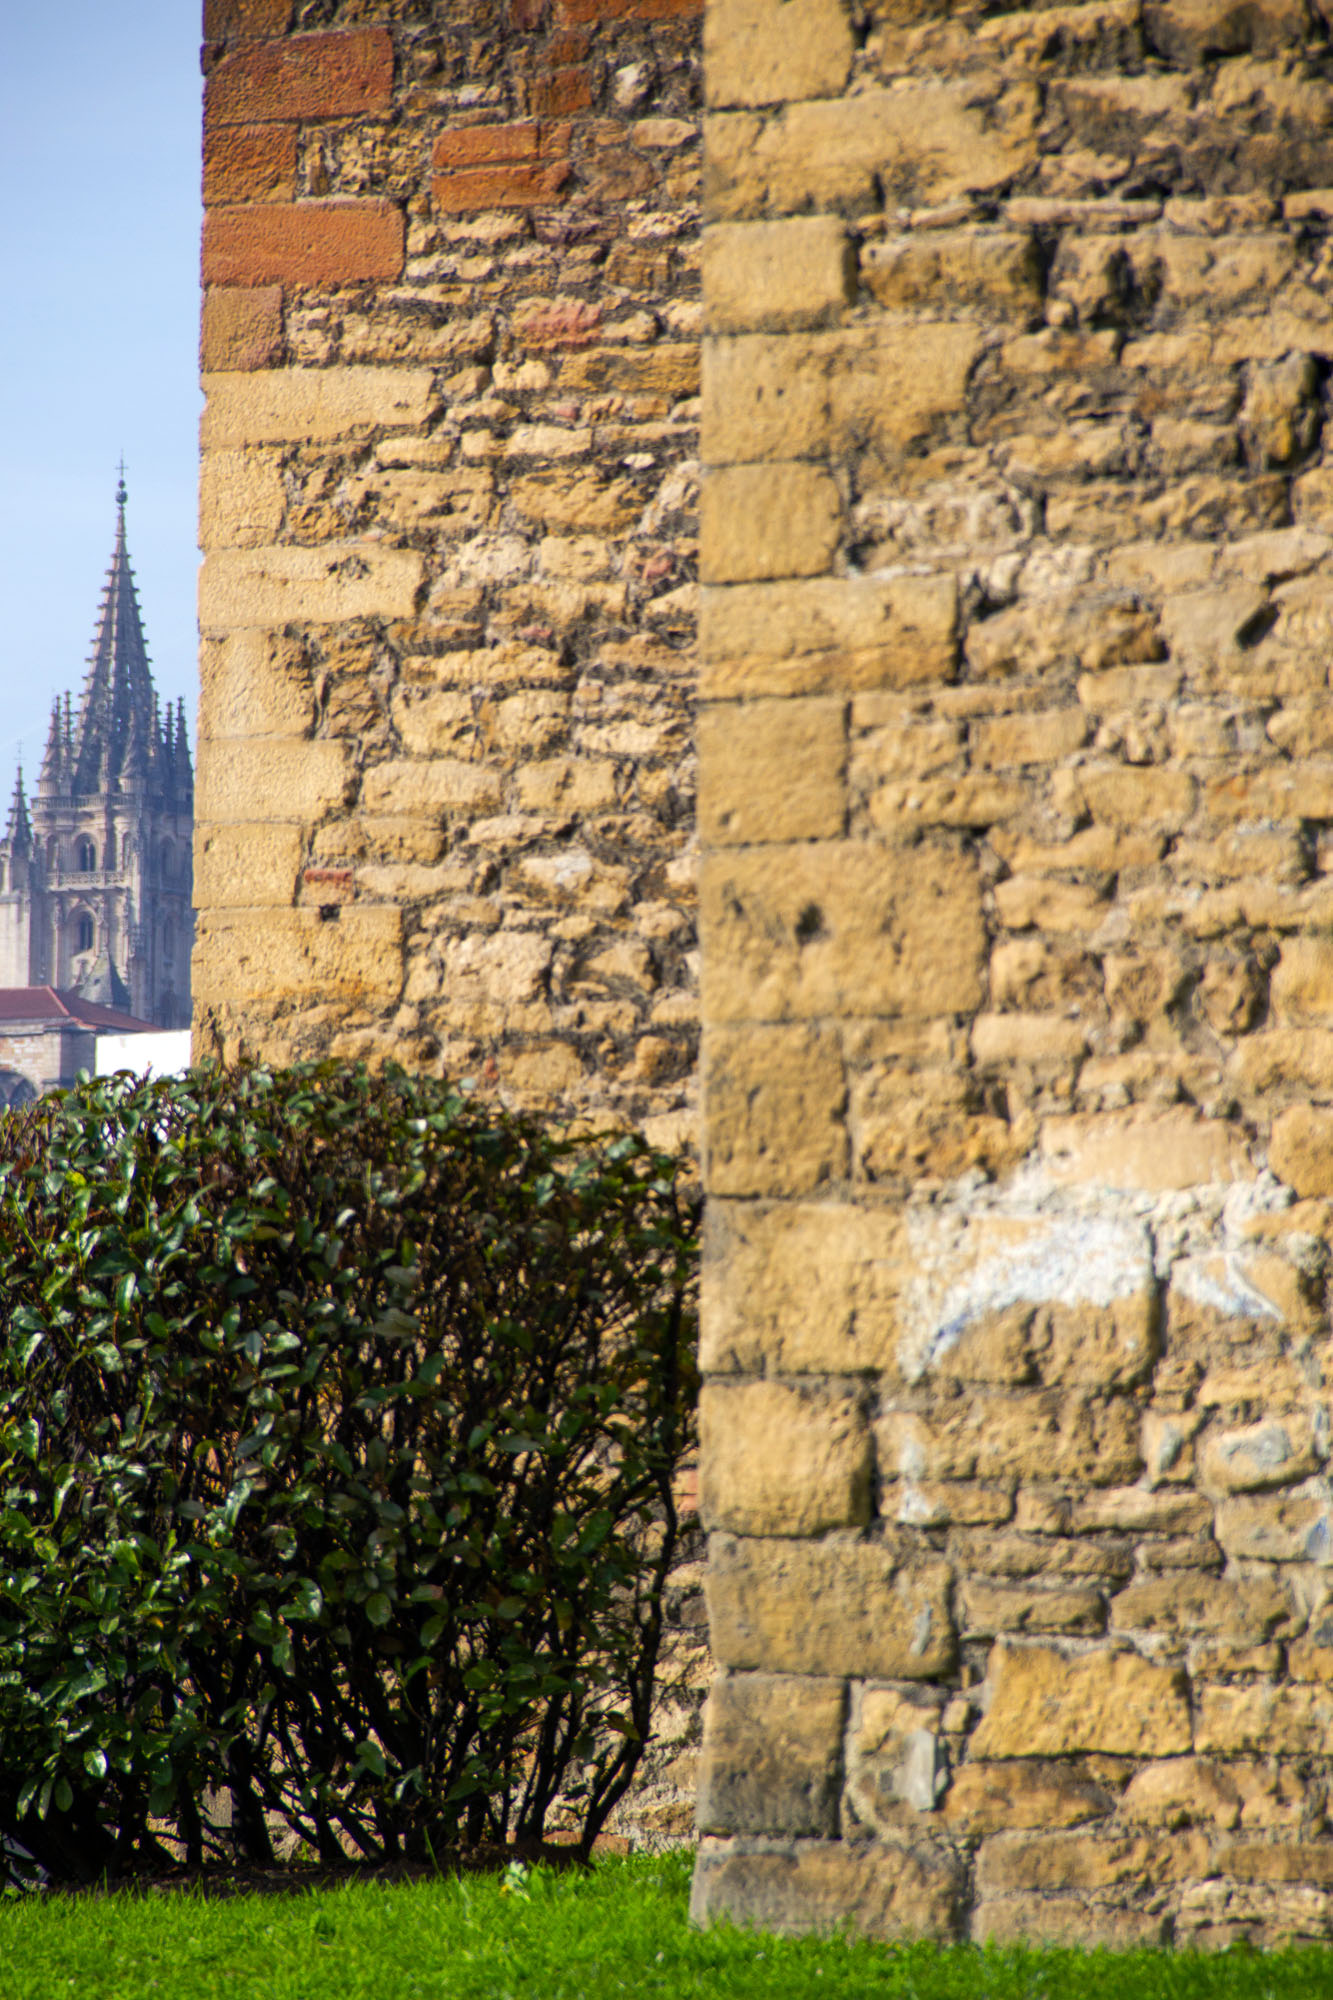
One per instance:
(448, 508)
(1017, 813)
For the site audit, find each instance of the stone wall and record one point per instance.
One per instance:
(449, 496)
(450, 350)
(1017, 927)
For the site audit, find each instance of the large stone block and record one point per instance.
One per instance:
(770, 51)
(254, 683)
(781, 1458)
(876, 1889)
(297, 405)
(1044, 1703)
(1265, 1720)
(1039, 1434)
(801, 1288)
(775, 1098)
(246, 866)
(769, 396)
(896, 1763)
(777, 275)
(771, 771)
(431, 784)
(877, 1609)
(1295, 1528)
(300, 586)
(1008, 1796)
(826, 634)
(917, 146)
(772, 1754)
(771, 520)
(1176, 1148)
(273, 778)
(1125, 1862)
(241, 499)
(1300, 1150)
(841, 928)
(248, 957)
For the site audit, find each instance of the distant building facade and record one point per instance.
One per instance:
(96, 870)
(47, 1037)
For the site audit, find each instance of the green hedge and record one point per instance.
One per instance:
(338, 1422)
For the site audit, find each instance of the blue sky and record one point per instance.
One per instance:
(99, 225)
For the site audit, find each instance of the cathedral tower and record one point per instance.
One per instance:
(95, 871)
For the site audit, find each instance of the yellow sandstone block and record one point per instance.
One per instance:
(771, 51)
(255, 956)
(834, 928)
(777, 274)
(437, 784)
(770, 520)
(774, 1100)
(253, 683)
(240, 499)
(300, 586)
(780, 1458)
(1045, 1705)
(274, 778)
(296, 405)
(771, 770)
(769, 396)
(245, 865)
(801, 1288)
(859, 632)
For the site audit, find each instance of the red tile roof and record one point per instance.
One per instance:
(45, 1004)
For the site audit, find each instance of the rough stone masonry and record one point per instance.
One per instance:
(449, 499)
(1016, 801)
(1016, 816)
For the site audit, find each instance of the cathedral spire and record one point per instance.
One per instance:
(53, 760)
(19, 834)
(115, 710)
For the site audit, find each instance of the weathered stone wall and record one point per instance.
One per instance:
(449, 494)
(450, 351)
(1017, 927)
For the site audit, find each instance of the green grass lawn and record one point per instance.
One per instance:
(619, 1930)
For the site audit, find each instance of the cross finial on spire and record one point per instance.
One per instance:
(120, 484)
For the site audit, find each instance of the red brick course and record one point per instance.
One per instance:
(560, 92)
(242, 327)
(306, 76)
(501, 166)
(304, 243)
(249, 163)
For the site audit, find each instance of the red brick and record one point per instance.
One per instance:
(304, 242)
(249, 163)
(242, 327)
(560, 93)
(305, 76)
(529, 141)
(572, 323)
(234, 18)
(520, 185)
(571, 46)
(574, 13)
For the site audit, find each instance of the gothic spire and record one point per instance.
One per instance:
(54, 758)
(114, 722)
(19, 835)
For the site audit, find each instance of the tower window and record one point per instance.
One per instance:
(86, 857)
(84, 933)
(168, 943)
